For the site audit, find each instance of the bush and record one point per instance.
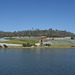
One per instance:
(52, 38)
(5, 46)
(48, 45)
(72, 46)
(0, 46)
(28, 45)
(24, 45)
(72, 37)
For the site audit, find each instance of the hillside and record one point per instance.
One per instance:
(37, 32)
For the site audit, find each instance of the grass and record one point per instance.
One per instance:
(56, 44)
(64, 47)
(13, 42)
(20, 41)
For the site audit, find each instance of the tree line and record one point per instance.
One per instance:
(36, 33)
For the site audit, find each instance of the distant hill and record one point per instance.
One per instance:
(37, 32)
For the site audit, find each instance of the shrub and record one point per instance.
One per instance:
(24, 45)
(5, 46)
(48, 44)
(28, 45)
(52, 38)
(72, 37)
(0, 46)
(72, 46)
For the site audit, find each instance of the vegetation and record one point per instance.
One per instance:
(48, 45)
(29, 41)
(5, 46)
(68, 46)
(24, 45)
(20, 41)
(0, 46)
(72, 37)
(37, 32)
(27, 45)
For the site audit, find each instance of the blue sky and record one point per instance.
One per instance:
(17, 15)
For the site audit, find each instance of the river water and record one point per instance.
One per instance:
(37, 61)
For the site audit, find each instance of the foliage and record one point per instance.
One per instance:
(72, 37)
(48, 44)
(52, 38)
(48, 33)
(0, 46)
(27, 45)
(5, 46)
(24, 45)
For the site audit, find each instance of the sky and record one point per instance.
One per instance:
(18, 15)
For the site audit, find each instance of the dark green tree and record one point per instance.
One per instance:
(72, 37)
(5, 46)
(24, 45)
(28, 45)
(0, 46)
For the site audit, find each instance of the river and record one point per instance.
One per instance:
(37, 61)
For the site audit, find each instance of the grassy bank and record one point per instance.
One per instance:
(55, 44)
(52, 47)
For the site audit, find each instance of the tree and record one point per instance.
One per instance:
(72, 37)
(24, 45)
(28, 45)
(0, 46)
(41, 42)
(5, 46)
(48, 44)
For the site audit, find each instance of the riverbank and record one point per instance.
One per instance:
(38, 47)
(17, 43)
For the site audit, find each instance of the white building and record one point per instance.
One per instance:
(37, 44)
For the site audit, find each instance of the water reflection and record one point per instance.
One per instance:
(37, 61)
(49, 51)
(40, 51)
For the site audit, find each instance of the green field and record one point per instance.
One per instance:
(20, 41)
(33, 41)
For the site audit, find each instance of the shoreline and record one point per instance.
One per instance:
(39, 48)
